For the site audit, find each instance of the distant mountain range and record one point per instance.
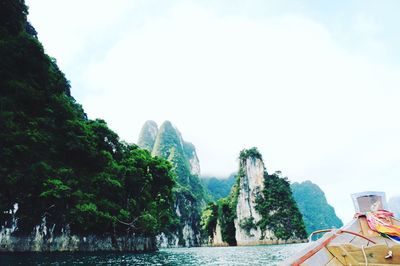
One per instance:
(219, 187)
(317, 213)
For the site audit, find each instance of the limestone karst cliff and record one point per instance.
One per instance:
(259, 210)
(250, 187)
(45, 239)
(167, 142)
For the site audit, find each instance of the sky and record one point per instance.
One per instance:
(313, 84)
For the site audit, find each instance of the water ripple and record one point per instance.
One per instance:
(255, 255)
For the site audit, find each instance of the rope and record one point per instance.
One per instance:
(340, 232)
(365, 255)
(356, 234)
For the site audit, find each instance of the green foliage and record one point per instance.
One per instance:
(56, 162)
(12, 17)
(219, 187)
(247, 224)
(55, 188)
(209, 219)
(316, 211)
(250, 153)
(226, 217)
(278, 209)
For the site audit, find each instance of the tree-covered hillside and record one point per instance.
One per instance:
(316, 211)
(219, 187)
(60, 166)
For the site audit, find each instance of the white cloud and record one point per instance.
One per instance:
(366, 25)
(281, 83)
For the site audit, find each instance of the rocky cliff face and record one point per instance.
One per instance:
(191, 155)
(250, 187)
(217, 240)
(167, 142)
(42, 238)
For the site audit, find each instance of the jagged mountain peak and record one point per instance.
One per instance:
(168, 143)
(168, 138)
(148, 135)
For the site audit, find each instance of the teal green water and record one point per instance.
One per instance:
(255, 255)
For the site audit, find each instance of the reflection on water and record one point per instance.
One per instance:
(255, 255)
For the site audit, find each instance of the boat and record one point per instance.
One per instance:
(371, 238)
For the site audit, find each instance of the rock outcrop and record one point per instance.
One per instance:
(259, 210)
(250, 187)
(217, 240)
(43, 239)
(167, 142)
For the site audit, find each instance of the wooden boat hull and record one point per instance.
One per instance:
(341, 247)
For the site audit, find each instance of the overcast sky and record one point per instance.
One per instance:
(313, 84)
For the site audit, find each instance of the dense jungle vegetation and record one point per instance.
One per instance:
(60, 166)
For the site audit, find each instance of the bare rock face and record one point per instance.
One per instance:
(217, 237)
(191, 155)
(166, 241)
(42, 239)
(251, 185)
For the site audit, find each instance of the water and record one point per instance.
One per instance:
(255, 255)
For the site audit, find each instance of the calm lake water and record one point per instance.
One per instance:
(257, 255)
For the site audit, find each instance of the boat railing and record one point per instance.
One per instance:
(340, 231)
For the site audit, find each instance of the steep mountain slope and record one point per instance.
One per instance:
(190, 193)
(316, 211)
